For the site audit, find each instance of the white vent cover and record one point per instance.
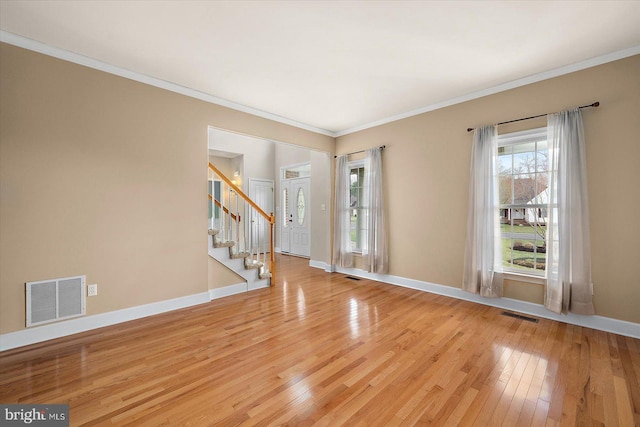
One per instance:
(55, 299)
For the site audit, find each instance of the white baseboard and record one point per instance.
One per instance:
(228, 290)
(38, 334)
(82, 324)
(329, 268)
(601, 323)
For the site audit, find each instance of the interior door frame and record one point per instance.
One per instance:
(286, 248)
(296, 226)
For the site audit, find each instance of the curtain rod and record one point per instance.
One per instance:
(382, 147)
(595, 104)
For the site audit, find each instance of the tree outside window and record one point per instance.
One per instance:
(523, 197)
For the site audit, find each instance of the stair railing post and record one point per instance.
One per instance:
(258, 248)
(233, 228)
(212, 208)
(246, 225)
(272, 223)
(265, 244)
(224, 219)
(237, 226)
(248, 228)
(230, 216)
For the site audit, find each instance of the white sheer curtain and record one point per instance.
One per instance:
(483, 252)
(569, 286)
(342, 226)
(374, 251)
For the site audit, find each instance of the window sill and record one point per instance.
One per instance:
(537, 280)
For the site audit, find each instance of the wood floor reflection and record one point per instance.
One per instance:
(321, 349)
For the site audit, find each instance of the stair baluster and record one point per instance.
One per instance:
(252, 229)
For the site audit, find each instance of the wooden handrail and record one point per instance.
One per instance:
(270, 218)
(218, 204)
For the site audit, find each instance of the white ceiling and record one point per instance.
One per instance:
(335, 66)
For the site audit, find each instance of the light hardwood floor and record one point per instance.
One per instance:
(321, 349)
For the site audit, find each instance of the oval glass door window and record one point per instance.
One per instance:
(301, 206)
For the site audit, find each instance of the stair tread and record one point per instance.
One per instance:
(239, 255)
(253, 264)
(228, 244)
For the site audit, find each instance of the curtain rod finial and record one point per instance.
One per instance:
(469, 129)
(596, 104)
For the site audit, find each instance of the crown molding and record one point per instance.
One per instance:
(26, 43)
(599, 60)
(36, 46)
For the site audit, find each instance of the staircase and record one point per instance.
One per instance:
(237, 241)
(254, 272)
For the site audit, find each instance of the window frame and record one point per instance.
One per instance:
(512, 139)
(362, 210)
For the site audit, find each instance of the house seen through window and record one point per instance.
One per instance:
(523, 161)
(357, 207)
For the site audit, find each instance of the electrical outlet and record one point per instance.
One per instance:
(92, 290)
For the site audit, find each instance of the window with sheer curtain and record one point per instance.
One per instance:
(483, 271)
(528, 212)
(523, 180)
(359, 217)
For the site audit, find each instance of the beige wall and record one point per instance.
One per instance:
(321, 178)
(426, 167)
(104, 176)
(223, 164)
(256, 160)
(107, 177)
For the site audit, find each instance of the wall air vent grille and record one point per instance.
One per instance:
(55, 299)
(519, 316)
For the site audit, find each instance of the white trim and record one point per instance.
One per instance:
(60, 329)
(82, 324)
(259, 284)
(30, 44)
(292, 166)
(537, 280)
(601, 323)
(582, 65)
(329, 268)
(227, 291)
(524, 136)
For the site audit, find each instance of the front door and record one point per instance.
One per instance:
(296, 230)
